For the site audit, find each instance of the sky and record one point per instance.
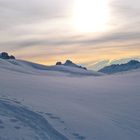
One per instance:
(85, 31)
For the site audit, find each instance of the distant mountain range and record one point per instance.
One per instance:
(115, 68)
(9, 62)
(96, 66)
(69, 66)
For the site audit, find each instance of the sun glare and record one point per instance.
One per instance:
(91, 15)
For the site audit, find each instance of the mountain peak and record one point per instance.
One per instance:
(71, 64)
(68, 62)
(133, 62)
(115, 68)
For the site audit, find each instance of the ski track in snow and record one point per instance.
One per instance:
(19, 118)
(80, 108)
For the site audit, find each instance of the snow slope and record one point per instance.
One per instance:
(17, 122)
(52, 105)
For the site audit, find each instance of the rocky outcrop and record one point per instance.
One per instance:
(71, 64)
(5, 55)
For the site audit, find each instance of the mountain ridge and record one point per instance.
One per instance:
(116, 68)
(34, 68)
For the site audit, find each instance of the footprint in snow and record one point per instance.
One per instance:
(40, 112)
(48, 114)
(36, 126)
(1, 122)
(17, 127)
(1, 127)
(51, 116)
(54, 117)
(79, 137)
(13, 120)
(17, 102)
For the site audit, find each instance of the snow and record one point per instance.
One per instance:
(40, 104)
(33, 68)
(17, 122)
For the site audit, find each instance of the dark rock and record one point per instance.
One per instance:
(12, 57)
(71, 64)
(5, 55)
(58, 63)
(68, 62)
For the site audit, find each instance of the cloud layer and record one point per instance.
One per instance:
(43, 31)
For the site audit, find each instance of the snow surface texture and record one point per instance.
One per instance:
(40, 104)
(17, 122)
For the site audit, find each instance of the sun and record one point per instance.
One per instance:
(91, 15)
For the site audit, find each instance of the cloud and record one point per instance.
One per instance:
(125, 14)
(19, 12)
(46, 24)
(74, 40)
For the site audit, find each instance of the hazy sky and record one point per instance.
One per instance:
(85, 31)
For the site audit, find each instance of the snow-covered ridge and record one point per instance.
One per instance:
(34, 68)
(117, 68)
(71, 64)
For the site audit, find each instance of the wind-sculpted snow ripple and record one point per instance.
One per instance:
(39, 127)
